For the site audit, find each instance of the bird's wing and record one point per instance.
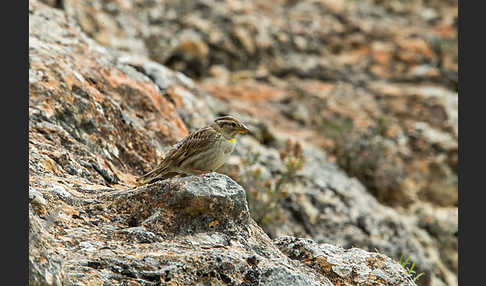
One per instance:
(197, 142)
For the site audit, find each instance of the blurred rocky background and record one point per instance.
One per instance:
(351, 162)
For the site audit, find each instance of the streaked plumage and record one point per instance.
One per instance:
(204, 150)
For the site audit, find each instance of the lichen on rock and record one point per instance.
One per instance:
(184, 205)
(373, 111)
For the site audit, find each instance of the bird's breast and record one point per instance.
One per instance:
(216, 157)
(228, 146)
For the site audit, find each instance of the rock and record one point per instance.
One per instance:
(324, 204)
(245, 38)
(191, 36)
(345, 266)
(177, 88)
(442, 225)
(379, 56)
(189, 205)
(201, 232)
(36, 198)
(102, 114)
(81, 98)
(45, 266)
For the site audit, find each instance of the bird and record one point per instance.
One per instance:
(203, 151)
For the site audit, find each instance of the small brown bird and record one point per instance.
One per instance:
(203, 151)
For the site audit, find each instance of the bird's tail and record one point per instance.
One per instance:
(155, 175)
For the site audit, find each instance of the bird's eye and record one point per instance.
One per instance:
(233, 124)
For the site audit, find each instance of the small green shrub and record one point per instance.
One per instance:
(264, 196)
(404, 262)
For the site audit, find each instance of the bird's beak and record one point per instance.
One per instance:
(243, 129)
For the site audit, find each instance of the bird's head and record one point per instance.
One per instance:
(230, 126)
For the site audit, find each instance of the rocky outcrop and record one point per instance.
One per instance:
(327, 40)
(378, 79)
(324, 204)
(345, 267)
(186, 206)
(183, 231)
(101, 115)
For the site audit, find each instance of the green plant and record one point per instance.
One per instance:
(338, 129)
(404, 261)
(381, 125)
(265, 195)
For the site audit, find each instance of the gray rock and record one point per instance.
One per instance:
(345, 266)
(97, 119)
(188, 205)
